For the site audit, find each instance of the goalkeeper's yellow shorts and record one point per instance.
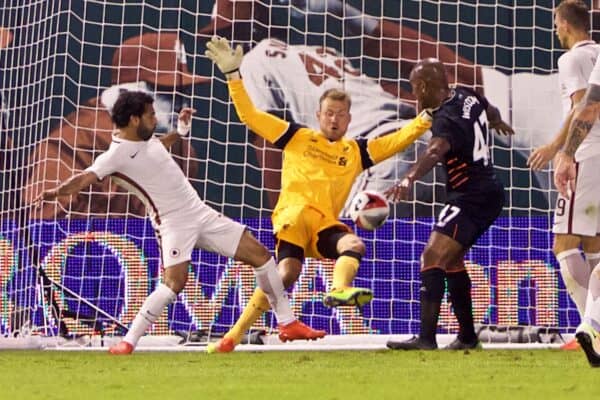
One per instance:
(300, 225)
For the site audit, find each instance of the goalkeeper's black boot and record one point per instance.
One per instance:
(416, 343)
(459, 344)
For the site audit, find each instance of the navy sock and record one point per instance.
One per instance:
(431, 293)
(459, 287)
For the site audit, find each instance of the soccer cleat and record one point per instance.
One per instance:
(122, 348)
(458, 344)
(416, 343)
(297, 330)
(224, 345)
(571, 345)
(586, 336)
(349, 296)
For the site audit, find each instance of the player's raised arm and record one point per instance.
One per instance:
(436, 150)
(71, 186)
(228, 61)
(184, 125)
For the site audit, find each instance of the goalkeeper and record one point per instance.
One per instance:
(319, 168)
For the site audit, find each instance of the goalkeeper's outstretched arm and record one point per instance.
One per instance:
(228, 61)
(71, 186)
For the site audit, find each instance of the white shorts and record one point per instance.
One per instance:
(209, 230)
(580, 215)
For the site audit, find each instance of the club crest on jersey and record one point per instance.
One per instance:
(175, 253)
(343, 161)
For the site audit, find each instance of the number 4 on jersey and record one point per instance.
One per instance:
(480, 147)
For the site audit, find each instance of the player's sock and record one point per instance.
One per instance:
(345, 269)
(459, 287)
(576, 275)
(592, 259)
(257, 305)
(151, 309)
(431, 293)
(592, 308)
(269, 280)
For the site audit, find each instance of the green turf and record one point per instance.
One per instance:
(488, 374)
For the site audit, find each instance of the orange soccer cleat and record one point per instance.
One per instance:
(571, 345)
(297, 330)
(225, 345)
(121, 349)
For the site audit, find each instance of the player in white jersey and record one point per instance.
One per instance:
(140, 162)
(574, 224)
(267, 69)
(566, 179)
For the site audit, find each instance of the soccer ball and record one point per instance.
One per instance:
(369, 210)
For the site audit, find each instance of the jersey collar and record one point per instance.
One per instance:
(583, 43)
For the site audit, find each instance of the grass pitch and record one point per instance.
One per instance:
(314, 375)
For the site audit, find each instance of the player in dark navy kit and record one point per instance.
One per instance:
(475, 197)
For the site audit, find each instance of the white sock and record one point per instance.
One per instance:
(592, 308)
(592, 259)
(151, 309)
(270, 282)
(576, 276)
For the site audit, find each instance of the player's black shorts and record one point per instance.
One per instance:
(466, 217)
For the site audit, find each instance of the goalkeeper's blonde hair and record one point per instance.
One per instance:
(335, 94)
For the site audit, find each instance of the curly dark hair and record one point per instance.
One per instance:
(128, 104)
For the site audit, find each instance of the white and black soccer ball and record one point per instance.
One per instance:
(369, 210)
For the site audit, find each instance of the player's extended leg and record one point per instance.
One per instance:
(441, 250)
(175, 278)
(270, 292)
(459, 289)
(348, 249)
(573, 268)
(257, 305)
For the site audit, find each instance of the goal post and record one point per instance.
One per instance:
(62, 64)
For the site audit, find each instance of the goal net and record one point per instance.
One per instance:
(83, 265)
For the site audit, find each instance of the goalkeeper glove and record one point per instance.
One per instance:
(227, 59)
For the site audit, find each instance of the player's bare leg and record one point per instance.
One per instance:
(351, 249)
(174, 278)
(259, 303)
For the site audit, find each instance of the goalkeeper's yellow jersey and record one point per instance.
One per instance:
(315, 171)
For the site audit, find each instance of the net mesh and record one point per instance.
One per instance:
(83, 265)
